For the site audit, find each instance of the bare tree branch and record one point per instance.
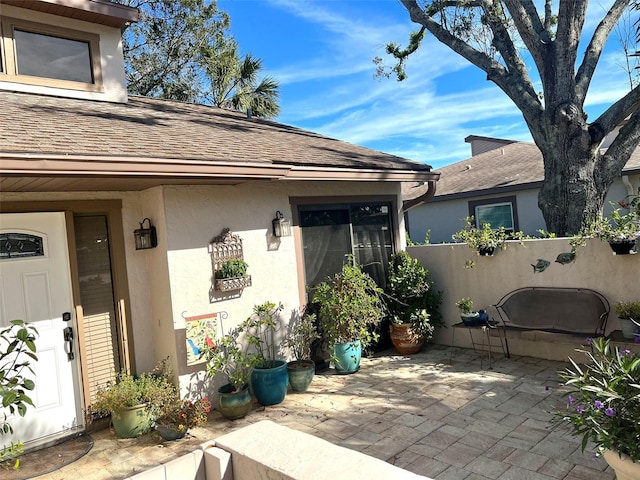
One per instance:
(594, 50)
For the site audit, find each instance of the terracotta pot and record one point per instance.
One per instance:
(625, 469)
(403, 342)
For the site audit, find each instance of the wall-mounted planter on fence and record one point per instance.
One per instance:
(229, 267)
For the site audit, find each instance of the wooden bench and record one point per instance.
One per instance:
(551, 314)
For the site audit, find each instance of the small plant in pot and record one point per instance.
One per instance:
(301, 334)
(179, 415)
(629, 315)
(231, 359)
(134, 402)
(350, 310)
(269, 378)
(468, 315)
(485, 240)
(412, 304)
(232, 275)
(603, 405)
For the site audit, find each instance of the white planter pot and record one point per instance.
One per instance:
(625, 469)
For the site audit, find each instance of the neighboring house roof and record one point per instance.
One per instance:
(50, 143)
(513, 166)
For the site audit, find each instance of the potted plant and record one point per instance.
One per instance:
(603, 405)
(134, 402)
(232, 275)
(412, 304)
(620, 230)
(629, 315)
(269, 378)
(301, 334)
(485, 240)
(227, 356)
(350, 310)
(179, 415)
(468, 315)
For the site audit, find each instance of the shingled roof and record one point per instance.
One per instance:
(516, 166)
(173, 142)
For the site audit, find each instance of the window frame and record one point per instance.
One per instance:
(8, 54)
(510, 200)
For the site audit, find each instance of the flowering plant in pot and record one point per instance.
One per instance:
(178, 416)
(350, 310)
(412, 304)
(300, 335)
(603, 403)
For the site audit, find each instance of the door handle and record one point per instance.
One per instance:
(68, 338)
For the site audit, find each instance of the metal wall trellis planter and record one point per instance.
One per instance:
(226, 249)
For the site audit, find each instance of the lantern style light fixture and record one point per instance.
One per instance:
(281, 225)
(145, 237)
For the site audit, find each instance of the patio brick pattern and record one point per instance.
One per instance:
(439, 419)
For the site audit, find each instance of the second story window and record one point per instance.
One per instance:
(46, 55)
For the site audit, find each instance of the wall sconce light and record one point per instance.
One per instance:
(145, 237)
(281, 225)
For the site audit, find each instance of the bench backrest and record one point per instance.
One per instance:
(567, 310)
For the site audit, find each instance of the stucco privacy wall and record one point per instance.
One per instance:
(112, 60)
(616, 277)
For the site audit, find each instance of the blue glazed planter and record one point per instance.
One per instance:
(234, 404)
(346, 356)
(269, 385)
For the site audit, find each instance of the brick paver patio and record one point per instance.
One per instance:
(439, 419)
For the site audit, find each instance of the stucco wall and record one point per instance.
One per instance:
(595, 267)
(112, 60)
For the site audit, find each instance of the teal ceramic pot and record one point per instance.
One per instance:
(269, 385)
(234, 404)
(346, 356)
(301, 374)
(131, 422)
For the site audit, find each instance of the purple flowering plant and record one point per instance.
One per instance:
(603, 401)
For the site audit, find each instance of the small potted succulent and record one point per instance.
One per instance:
(301, 334)
(629, 315)
(603, 404)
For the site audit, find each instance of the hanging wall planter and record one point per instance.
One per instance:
(229, 267)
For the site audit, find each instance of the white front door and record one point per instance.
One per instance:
(35, 286)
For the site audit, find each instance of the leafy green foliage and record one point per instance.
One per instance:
(163, 51)
(234, 82)
(628, 309)
(485, 236)
(411, 297)
(301, 334)
(233, 268)
(229, 357)
(465, 305)
(603, 404)
(154, 389)
(260, 331)
(350, 306)
(17, 352)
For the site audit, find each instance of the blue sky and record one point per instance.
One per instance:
(322, 54)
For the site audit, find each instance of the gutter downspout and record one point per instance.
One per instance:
(425, 197)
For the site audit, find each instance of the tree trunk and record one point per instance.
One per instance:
(574, 188)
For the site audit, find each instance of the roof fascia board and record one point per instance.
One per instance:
(81, 165)
(488, 191)
(103, 8)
